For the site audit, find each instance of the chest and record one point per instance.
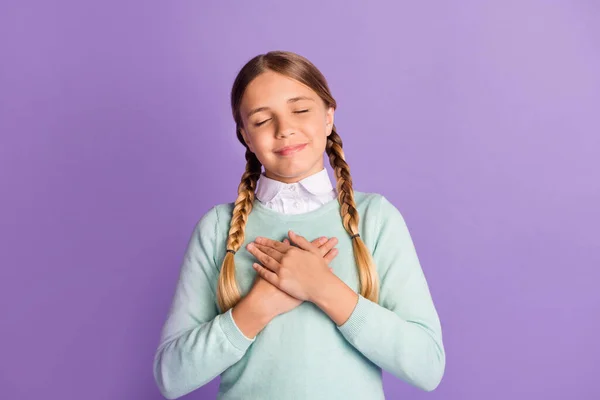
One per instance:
(344, 264)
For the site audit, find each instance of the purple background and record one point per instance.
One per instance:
(480, 122)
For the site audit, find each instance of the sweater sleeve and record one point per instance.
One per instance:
(402, 332)
(197, 343)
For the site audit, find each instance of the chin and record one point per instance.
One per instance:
(292, 172)
(292, 167)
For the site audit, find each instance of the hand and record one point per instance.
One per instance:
(325, 246)
(277, 301)
(301, 271)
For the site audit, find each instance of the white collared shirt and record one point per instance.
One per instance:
(296, 198)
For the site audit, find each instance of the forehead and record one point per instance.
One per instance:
(270, 88)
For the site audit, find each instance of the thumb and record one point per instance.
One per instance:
(302, 242)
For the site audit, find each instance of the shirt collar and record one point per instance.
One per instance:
(316, 184)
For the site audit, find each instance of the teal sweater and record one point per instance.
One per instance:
(302, 354)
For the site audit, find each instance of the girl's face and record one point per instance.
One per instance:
(277, 112)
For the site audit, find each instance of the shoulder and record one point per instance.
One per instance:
(373, 201)
(210, 226)
(217, 214)
(366, 200)
(377, 207)
(207, 222)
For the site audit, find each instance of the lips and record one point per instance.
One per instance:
(290, 149)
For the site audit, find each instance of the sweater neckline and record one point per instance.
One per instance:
(267, 212)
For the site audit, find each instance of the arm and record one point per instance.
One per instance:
(402, 333)
(197, 343)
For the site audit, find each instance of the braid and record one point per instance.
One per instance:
(367, 272)
(228, 293)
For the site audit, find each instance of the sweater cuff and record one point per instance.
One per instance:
(357, 320)
(233, 333)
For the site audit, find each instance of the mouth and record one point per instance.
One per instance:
(286, 151)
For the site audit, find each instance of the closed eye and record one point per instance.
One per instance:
(295, 112)
(262, 122)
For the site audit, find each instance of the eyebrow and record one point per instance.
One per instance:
(290, 100)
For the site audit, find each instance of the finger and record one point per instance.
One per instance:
(276, 255)
(265, 259)
(266, 274)
(286, 241)
(329, 244)
(302, 242)
(319, 241)
(279, 246)
(330, 256)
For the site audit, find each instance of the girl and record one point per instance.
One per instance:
(264, 299)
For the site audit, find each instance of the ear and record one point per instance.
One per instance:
(329, 120)
(247, 140)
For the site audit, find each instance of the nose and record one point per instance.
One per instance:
(284, 128)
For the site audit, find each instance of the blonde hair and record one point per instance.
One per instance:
(299, 68)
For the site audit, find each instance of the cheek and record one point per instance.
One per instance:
(316, 131)
(318, 125)
(262, 143)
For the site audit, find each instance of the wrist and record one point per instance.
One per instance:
(326, 290)
(260, 311)
(337, 300)
(250, 316)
